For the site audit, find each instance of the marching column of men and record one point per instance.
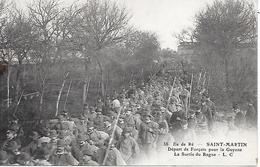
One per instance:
(147, 118)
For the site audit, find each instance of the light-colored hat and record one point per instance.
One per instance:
(44, 140)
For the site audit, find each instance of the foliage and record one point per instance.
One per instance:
(225, 38)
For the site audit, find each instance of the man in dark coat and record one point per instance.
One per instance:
(148, 133)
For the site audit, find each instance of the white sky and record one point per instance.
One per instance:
(164, 17)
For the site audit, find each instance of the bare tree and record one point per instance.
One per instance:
(186, 35)
(16, 42)
(104, 23)
(44, 16)
(20, 39)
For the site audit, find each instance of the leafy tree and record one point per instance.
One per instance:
(222, 28)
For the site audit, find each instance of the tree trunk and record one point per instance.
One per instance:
(59, 96)
(42, 94)
(102, 78)
(226, 74)
(8, 84)
(84, 93)
(18, 82)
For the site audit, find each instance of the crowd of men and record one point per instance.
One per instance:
(122, 129)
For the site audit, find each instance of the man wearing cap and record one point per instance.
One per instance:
(75, 148)
(107, 105)
(159, 118)
(140, 93)
(65, 123)
(175, 122)
(85, 112)
(61, 123)
(130, 120)
(81, 126)
(16, 126)
(99, 120)
(121, 123)
(128, 146)
(12, 150)
(148, 133)
(11, 136)
(239, 117)
(41, 159)
(61, 156)
(113, 157)
(66, 136)
(109, 127)
(184, 96)
(43, 142)
(211, 105)
(85, 147)
(94, 136)
(32, 146)
(100, 104)
(91, 116)
(53, 135)
(88, 161)
(24, 159)
(124, 101)
(116, 104)
(4, 158)
(53, 140)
